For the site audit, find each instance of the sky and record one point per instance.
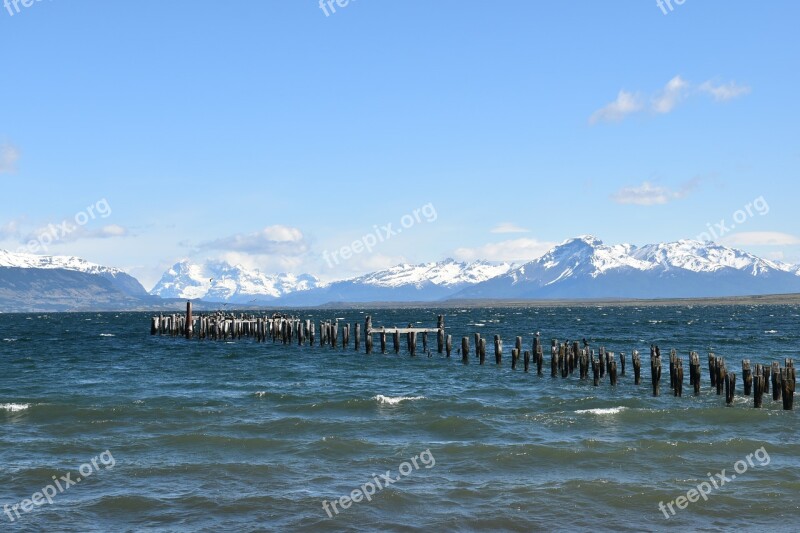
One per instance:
(345, 138)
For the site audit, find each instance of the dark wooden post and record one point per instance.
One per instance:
(655, 372)
(527, 360)
(482, 350)
(758, 386)
(465, 350)
(440, 333)
(357, 337)
(189, 320)
(396, 340)
(449, 345)
(747, 377)
(730, 386)
(514, 358)
(498, 350)
(368, 334)
(383, 341)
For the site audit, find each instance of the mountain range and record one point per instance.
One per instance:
(579, 268)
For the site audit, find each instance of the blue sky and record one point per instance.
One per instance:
(268, 133)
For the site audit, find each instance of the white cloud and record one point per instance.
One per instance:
(625, 104)
(761, 238)
(665, 100)
(281, 240)
(508, 227)
(511, 250)
(724, 92)
(9, 155)
(112, 230)
(670, 96)
(649, 194)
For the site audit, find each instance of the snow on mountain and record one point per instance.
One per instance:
(584, 267)
(219, 281)
(425, 282)
(447, 273)
(39, 282)
(25, 260)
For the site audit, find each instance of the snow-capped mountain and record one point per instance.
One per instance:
(403, 283)
(584, 267)
(219, 281)
(39, 282)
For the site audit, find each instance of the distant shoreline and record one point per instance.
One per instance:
(176, 305)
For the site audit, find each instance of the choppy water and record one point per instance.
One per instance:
(239, 436)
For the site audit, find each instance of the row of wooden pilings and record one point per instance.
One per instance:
(565, 357)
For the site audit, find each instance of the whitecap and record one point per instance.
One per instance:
(10, 340)
(107, 335)
(771, 331)
(601, 411)
(394, 400)
(14, 407)
(261, 394)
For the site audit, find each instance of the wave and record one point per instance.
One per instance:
(14, 407)
(394, 400)
(601, 411)
(107, 335)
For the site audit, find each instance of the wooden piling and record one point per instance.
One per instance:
(655, 371)
(747, 377)
(730, 386)
(498, 350)
(465, 350)
(758, 386)
(440, 334)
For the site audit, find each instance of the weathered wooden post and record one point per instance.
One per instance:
(514, 358)
(539, 360)
(679, 377)
(730, 386)
(719, 367)
(596, 370)
(449, 345)
(440, 333)
(673, 361)
(356, 337)
(655, 372)
(777, 386)
(396, 340)
(482, 350)
(527, 360)
(758, 386)
(788, 383)
(696, 372)
(465, 350)
(498, 350)
(368, 334)
(747, 377)
(712, 369)
(477, 344)
(554, 359)
(412, 337)
(425, 342)
(637, 367)
(153, 325)
(189, 321)
(622, 363)
(383, 341)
